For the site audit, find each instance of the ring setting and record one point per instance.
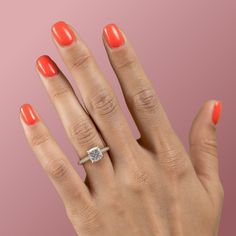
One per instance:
(94, 154)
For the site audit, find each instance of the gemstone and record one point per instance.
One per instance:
(95, 154)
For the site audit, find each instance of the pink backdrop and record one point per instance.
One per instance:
(187, 48)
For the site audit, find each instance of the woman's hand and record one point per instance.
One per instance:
(149, 186)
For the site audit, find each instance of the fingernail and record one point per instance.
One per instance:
(113, 36)
(63, 33)
(28, 114)
(216, 112)
(47, 66)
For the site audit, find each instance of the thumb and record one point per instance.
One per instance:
(203, 145)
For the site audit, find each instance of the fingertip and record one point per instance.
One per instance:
(202, 123)
(28, 114)
(46, 66)
(210, 112)
(216, 111)
(113, 35)
(63, 33)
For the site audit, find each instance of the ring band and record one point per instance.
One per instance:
(94, 154)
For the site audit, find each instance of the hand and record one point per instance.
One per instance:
(150, 186)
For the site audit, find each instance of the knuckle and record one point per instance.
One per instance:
(59, 91)
(89, 219)
(207, 146)
(103, 103)
(80, 59)
(88, 212)
(146, 100)
(117, 206)
(85, 218)
(115, 201)
(174, 161)
(56, 168)
(82, 132)
(73, 210)
(126, 63)
(137, 180)
(39, 139)
(124, 59)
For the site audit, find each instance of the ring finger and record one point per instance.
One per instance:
(79, 127)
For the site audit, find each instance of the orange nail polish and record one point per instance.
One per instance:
(47, 66)
(216, 112)
(63, 33)
(113, 36)
(28, 114)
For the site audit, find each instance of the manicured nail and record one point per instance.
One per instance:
(216, 112)
(47, 66)
(63, 33)
(113, 36)
(28, 114)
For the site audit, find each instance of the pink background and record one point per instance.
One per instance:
(188, 49)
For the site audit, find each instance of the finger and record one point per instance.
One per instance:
(98, 97)
(79, 127)
(65, 179)
(203, 145)
(139, 93)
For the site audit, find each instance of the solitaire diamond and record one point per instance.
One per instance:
(95, 154)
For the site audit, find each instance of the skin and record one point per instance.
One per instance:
(150, 186)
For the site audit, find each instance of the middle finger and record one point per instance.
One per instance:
(99, 99)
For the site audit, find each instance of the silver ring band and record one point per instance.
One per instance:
(94, 154)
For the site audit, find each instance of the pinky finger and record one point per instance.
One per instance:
(67, 182)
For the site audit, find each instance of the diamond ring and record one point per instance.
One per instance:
(94, 154)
